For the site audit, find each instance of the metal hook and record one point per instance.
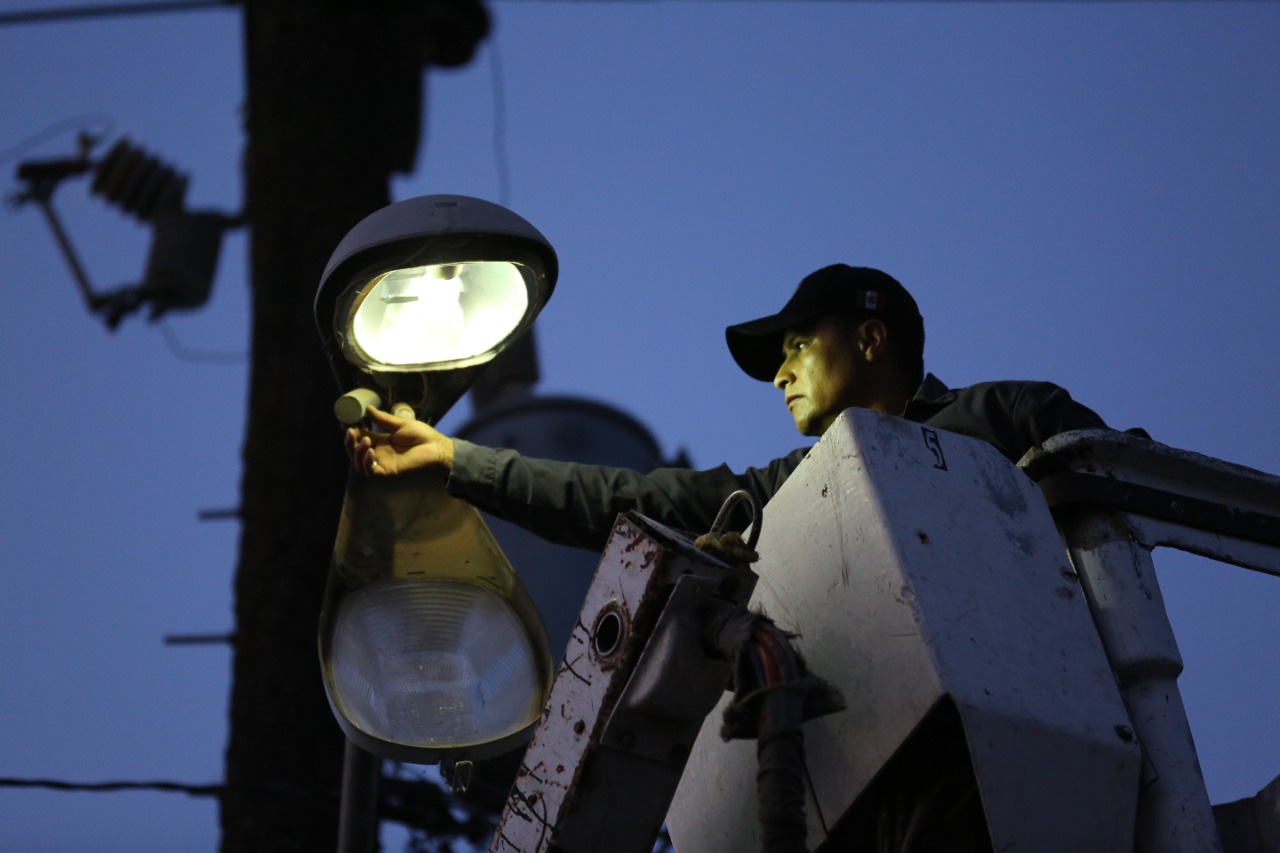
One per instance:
(457, 774)
(726, 509)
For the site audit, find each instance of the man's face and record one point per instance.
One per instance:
(821, 373)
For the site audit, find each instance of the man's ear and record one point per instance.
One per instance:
(873, 340)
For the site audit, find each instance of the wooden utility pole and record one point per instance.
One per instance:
(334, 98)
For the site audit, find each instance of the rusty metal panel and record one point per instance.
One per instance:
(627, 702)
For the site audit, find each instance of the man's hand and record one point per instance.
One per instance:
(406, 446)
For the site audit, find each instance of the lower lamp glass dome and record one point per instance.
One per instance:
(429, 644)
(434, 664)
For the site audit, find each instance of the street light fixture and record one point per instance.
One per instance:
(429, 644)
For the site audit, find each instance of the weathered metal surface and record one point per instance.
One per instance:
(1251, 825)
(1120, 581)
(1217, 509)
(1147, 495)
(628, 699)
(920, 568)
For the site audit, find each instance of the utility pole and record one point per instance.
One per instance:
(333, 109)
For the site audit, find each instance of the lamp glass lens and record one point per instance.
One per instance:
(434, 663)
(420, 316)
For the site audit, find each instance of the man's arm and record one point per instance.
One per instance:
(576, 504)
(564, 502)
(1044, 410)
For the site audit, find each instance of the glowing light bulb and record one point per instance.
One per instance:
(429, 316)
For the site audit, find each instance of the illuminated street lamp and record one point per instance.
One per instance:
(429, 644)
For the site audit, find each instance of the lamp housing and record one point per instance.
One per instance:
(433, 287)
(429, 644)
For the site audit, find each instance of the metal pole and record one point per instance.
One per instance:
(358, 812)
(1119, 580)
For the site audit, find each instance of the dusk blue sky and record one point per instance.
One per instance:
(1087, 193)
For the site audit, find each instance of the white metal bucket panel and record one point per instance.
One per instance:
(916, 564)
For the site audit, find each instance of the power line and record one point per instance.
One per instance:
(200, 639)
(69, 13)
(59, 785)
(201, 356)
(80, 122)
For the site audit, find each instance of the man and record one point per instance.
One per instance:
(848, 337)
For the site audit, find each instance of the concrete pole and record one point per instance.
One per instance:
(334, 98)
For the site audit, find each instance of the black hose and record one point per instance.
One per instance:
(774, 694)
(780, 777)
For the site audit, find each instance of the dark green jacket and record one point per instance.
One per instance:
(576, 504)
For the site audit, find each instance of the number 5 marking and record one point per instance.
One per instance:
(932, 442)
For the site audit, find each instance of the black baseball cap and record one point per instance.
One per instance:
(838, 289)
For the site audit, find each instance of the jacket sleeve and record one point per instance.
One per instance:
(1043, 410)
(1015, 416)
(574, 504)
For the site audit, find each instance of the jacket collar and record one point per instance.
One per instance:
(929, 397)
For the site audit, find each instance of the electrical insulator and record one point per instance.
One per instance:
(138, 183)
